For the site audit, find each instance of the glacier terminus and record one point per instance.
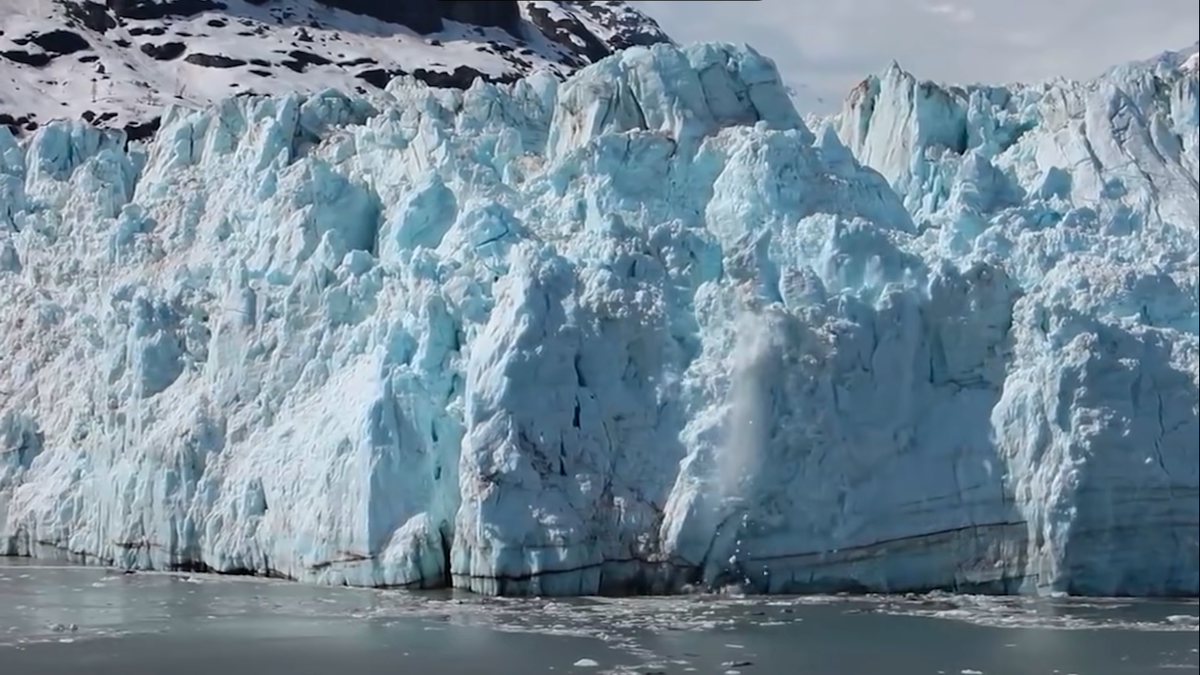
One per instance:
(642, 330)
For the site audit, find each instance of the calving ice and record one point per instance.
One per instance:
(637, 331)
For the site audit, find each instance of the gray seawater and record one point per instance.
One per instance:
(58, 619)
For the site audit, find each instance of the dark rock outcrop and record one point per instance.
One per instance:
(426, 16)
(60, 42)
(90, 14)
(161, 9)
(214, 61)
(422, 16)
(167, 51)
(506, 15)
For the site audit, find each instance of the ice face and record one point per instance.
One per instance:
(630, 332)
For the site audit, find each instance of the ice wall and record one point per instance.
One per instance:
(632, 332)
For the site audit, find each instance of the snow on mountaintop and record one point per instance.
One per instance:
(634, 331)
(119, 64)
(1189, 57)
(1177, 59)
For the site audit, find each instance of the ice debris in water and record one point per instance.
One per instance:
(639, 331)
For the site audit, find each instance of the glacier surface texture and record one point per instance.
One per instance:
(638, 331)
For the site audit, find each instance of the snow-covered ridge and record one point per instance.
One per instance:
(630, 332)
(118, 64)
(1179, 59)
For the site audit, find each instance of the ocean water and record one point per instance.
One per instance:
(60, 619)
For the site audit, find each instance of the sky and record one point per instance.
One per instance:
(824, 47)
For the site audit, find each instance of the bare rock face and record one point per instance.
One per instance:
(426, 16)
(506, 15)
(422, 16)
(161, 9)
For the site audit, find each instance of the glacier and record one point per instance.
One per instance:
(643, 330)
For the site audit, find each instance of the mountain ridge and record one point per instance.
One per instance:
(120, 64)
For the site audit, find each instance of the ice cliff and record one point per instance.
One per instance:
(637, 331)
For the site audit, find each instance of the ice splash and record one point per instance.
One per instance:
(755, 356)
(757, 365)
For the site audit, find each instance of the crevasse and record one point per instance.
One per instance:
(634, 332)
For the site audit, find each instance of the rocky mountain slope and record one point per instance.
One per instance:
(118, 64)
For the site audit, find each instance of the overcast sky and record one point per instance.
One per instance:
(824, 47)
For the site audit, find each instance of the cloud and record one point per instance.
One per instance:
(824, 47)
(953, 13)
